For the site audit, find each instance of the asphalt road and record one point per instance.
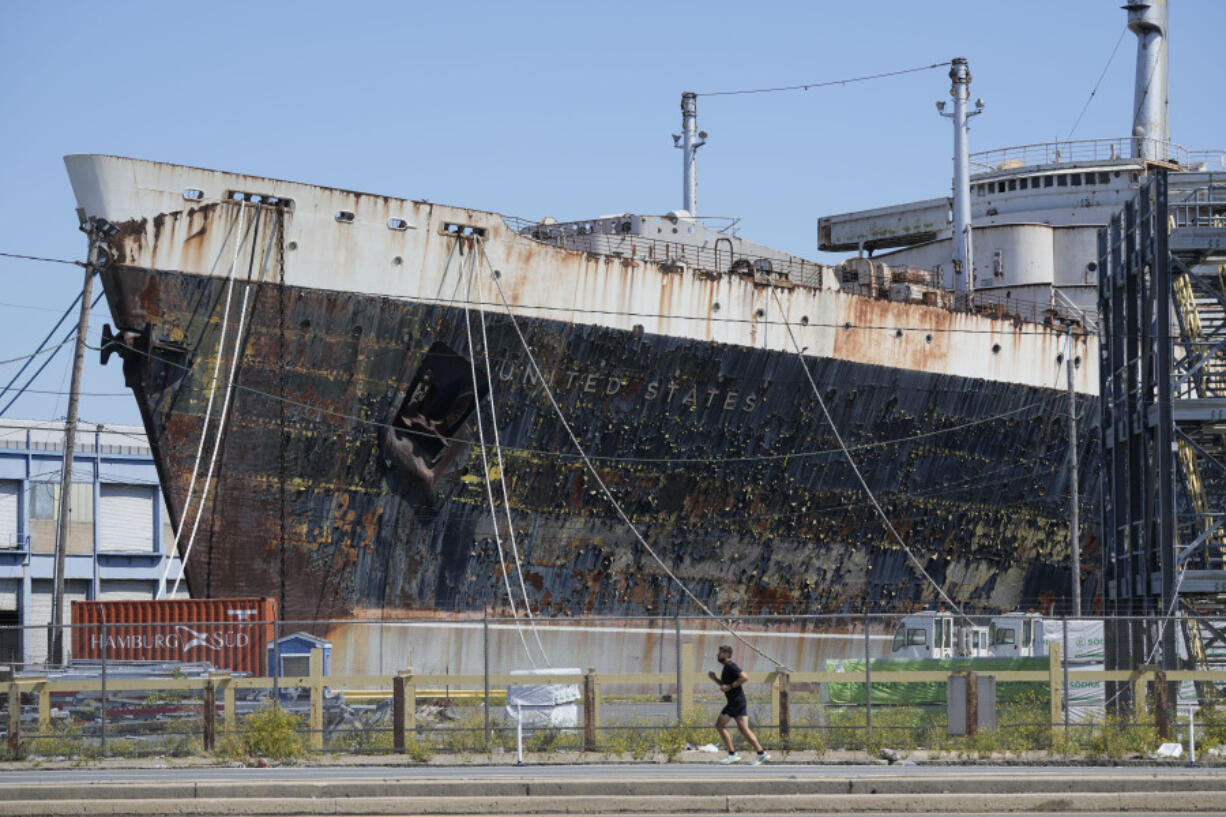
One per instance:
(584, 772)
(608, 788)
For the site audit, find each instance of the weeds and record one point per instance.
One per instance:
(633, 738)
(271, 732)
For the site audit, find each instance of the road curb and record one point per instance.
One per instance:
(1190, 802)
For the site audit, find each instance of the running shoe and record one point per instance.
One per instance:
(761, 758)
(732, 758)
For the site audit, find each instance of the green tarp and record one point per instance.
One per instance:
(933, 692)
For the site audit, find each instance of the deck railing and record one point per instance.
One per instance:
(721, 257)
(1094, 150)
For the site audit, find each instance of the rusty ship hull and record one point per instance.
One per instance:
(347, 478)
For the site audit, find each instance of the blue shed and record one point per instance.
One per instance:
(291, 655)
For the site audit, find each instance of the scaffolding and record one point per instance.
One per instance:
(1162, 377)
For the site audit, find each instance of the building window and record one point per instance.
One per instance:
(45, 501)
(9, 489)
(42, 500)
(125, 518)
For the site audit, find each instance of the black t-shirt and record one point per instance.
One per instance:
(729, 675)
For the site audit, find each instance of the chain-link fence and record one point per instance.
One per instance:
(627, 687)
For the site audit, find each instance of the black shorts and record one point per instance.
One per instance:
(735, 709)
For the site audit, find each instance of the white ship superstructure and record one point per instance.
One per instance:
(1036, 209)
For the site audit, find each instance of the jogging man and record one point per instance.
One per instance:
(730, 681)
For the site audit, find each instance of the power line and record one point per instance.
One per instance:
(59, 393)
(54, 350)
(32, 307)
(826, 83)
(31, 355)
(1094, 91)
(41, 258)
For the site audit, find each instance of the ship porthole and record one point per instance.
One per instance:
(715, 306)
(847, 326)
(497, 273)
(1059, 358)
(927, 338)
(398, 260)
(995, 348)
(759, 313)
(804, 320)
(898, 333)
(304, 324)
(293, 245)
(356, 331)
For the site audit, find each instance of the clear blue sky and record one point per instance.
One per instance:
(534, 109)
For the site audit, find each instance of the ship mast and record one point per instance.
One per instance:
(689, 140)
(963, 254)
(1150, 128)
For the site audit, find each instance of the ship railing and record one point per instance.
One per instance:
(1003, 305)
(1094, 150)
(719, 257)
(1208, 381)
(1199, 211)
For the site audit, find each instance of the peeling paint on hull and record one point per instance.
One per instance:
(718, 452)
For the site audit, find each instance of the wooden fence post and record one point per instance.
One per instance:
(1139, 707)
(317, 699)
(785, 718)
(972, 703)
(686, 677)
(1161, 705)
(772, 680)
(229, 708)
(1055, 687)
(589, 711)
(210, 715)
(404, 706)
(14, 724)
(398, 713)
(44, 708)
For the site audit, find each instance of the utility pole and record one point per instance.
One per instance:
(97, 257)
(1074, 480)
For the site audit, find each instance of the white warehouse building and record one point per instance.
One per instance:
(119, 533)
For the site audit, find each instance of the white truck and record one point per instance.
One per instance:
(941, 634)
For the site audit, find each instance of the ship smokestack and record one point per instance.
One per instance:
(689, 140)
(963, 248)
(1150, 129)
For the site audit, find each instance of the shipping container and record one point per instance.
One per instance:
(231, 634)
